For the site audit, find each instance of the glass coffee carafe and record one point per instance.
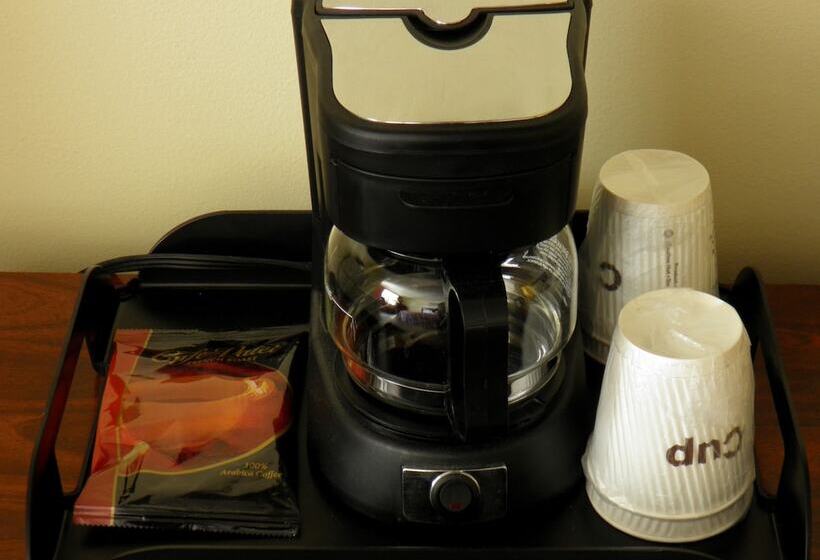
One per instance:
(388, 315)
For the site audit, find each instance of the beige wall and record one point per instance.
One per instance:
(120, 119)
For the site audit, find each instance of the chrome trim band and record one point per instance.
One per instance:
(431, 398)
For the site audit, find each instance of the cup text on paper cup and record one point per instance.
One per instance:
(684, 455)
(671, 276)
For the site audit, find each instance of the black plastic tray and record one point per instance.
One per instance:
(775, 527)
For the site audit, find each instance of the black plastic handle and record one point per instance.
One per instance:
(91, 321)
(477, 347)
(793, 502)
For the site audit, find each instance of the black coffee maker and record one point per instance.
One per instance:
(447, 382)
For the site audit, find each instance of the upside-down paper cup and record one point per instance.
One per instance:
(651, 226)
(671, 457)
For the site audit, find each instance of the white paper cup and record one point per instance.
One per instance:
(671, 455)
(651, 226)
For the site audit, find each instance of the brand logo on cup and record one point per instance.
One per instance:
(684, 455)
(615, 282)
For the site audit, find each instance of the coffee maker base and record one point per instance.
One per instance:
(398, 478)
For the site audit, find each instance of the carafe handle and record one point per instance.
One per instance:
(477, 347)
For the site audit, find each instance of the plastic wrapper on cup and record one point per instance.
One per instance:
(651, 226)
(671, 455)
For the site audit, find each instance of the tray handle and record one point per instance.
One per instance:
(793, 501)
(46, 502)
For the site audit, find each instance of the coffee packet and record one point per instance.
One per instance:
(193, 432)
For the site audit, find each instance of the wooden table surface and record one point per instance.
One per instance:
(35, 310)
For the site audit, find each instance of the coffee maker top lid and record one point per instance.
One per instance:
(473, 61)
(443, 139)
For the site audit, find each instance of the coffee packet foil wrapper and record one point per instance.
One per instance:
(193, 432)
